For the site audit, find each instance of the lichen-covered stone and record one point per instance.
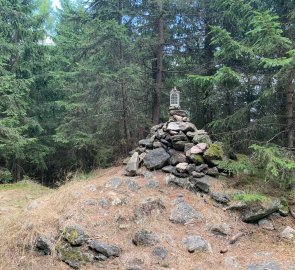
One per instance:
(197, 159)
(72, 255)
(214, 152)
(75, 235)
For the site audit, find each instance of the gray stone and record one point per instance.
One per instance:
(201, 168)
(103, 202)
(288, 233)
(265, 266)
(72, 255)
(181, 126)
(266, 224)
(196, 243)
(253, 213)
(179, 145)
(157, 144)
(200, 184)
(201, 137)
(173, 181)
(232, 262)
(75, 235)
(90, 202)
(213, 172)
(183, 213)
(132, 165)
(132, 185)
(152, 184)
(146, 143)
(156, 159)
(168, 169)
(160, 252)
(114, 183)
(220, 197)
(148, 206)
(43, 245)
(191, 168)
(198, 174)
(181, 113)
(145, 238)
(180, 174)
(176, 157)
(188, 146)
(182, 167)
(105, 249)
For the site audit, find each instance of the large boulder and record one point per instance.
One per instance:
(181, 126)
(132, 165)
(260, 210)
(156, 159)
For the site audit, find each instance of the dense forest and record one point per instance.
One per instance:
(80, 84)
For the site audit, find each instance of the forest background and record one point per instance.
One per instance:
(81, 83)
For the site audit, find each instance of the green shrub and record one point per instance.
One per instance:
(243, 165)
(277, 163)
(250, 197)
(5, 176)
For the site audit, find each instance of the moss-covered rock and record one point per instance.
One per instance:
(75, 235)
(72, 255)
(202, 138)
(214, 152)
(284, 208)
(197, 159)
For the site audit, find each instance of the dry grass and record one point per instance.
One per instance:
(19, 229)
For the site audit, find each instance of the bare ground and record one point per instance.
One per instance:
(50, 213)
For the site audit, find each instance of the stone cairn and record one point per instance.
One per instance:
(177, 147)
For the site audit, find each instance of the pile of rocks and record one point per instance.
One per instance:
(177, 147)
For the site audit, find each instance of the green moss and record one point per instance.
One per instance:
(19, 185)
(202, 139)
(284, 207)
(198, 159)
(250, 197)
(71, 255)
(214, 152)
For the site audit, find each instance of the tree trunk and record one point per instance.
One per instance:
(290, 116)
(159, 74)
(123, 90)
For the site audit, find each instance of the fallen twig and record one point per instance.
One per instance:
(236, 237)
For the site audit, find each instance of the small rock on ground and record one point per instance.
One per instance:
(196, 243)
(105, 249)
(144, 238)
(183, 213)
(114, 183)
